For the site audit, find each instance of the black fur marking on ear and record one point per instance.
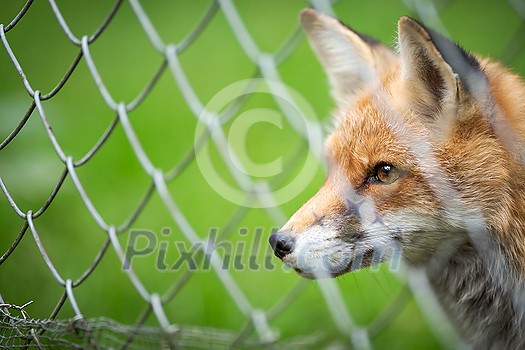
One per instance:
(367, 39)
(433, 79)
(464, 64)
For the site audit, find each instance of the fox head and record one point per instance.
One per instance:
(425, 146)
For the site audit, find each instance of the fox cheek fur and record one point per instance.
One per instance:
(426, 162)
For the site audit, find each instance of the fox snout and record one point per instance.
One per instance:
(282, 244)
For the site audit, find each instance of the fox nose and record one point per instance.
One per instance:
(282, 244)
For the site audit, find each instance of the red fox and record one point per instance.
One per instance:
(426, 162)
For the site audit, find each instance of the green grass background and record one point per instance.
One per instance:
(165, 125)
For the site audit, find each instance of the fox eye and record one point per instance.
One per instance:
(386, 173)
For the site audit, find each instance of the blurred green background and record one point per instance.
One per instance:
(115, 181)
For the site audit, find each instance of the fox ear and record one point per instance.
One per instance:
(438, 73)
(352, 61)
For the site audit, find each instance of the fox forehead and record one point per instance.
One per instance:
(363, 138)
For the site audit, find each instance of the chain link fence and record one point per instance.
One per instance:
(119, 226)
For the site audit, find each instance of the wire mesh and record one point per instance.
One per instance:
(18, 329)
